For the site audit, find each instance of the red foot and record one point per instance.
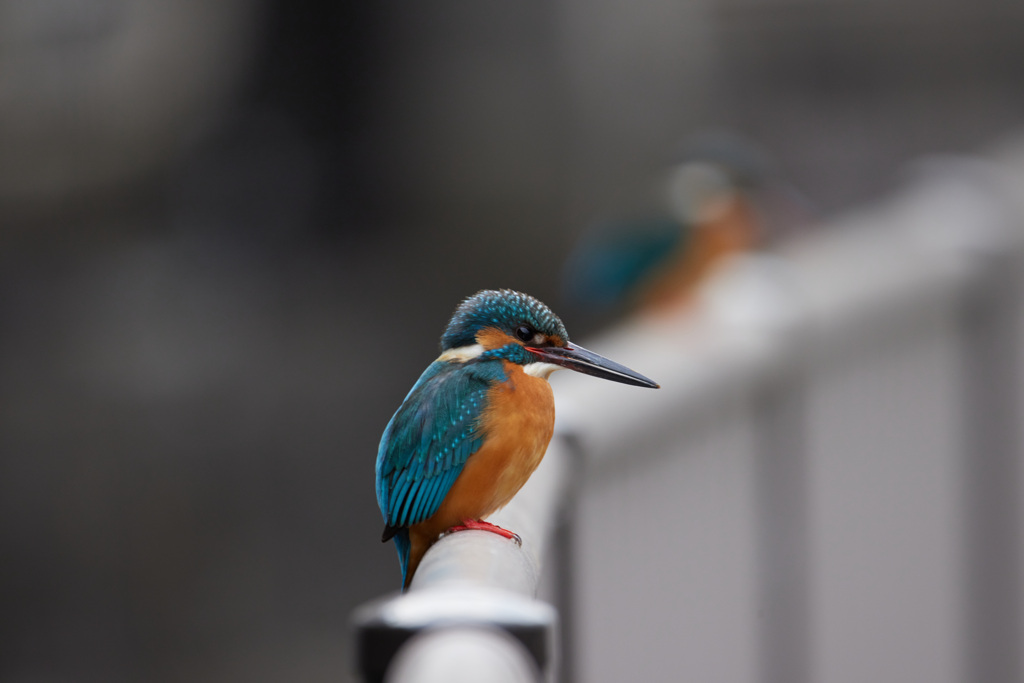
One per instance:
(481, 525)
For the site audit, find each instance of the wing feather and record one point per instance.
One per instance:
(430, 438)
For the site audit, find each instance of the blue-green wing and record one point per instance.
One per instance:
(613, 258)
(429, 439)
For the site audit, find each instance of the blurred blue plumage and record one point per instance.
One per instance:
(721, 196)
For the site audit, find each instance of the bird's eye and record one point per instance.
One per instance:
(525, 333)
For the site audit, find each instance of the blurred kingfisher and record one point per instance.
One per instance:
(476, 424)
(721, 196)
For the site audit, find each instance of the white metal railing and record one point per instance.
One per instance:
(471, 612)
(825, 489)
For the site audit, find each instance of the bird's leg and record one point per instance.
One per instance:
(481, 525)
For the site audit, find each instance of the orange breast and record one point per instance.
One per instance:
(733, 230)
(518, 424)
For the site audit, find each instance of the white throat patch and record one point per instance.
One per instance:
(462, 354)
(542, 370)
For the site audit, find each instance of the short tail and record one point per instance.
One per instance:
(404, 546)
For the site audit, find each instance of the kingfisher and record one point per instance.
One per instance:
(722, 196)
(476, 424)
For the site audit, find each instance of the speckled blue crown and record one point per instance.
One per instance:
(504, 309)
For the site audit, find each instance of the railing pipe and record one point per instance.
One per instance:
(471, 611)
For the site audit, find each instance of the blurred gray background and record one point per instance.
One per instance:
(233, 230)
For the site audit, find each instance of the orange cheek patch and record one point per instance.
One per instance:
(492, 338)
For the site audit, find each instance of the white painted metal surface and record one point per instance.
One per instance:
(471, 611)
(827, 487)
(818, 492)
(463, 655)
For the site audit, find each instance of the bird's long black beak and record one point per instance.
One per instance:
(577, 358)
